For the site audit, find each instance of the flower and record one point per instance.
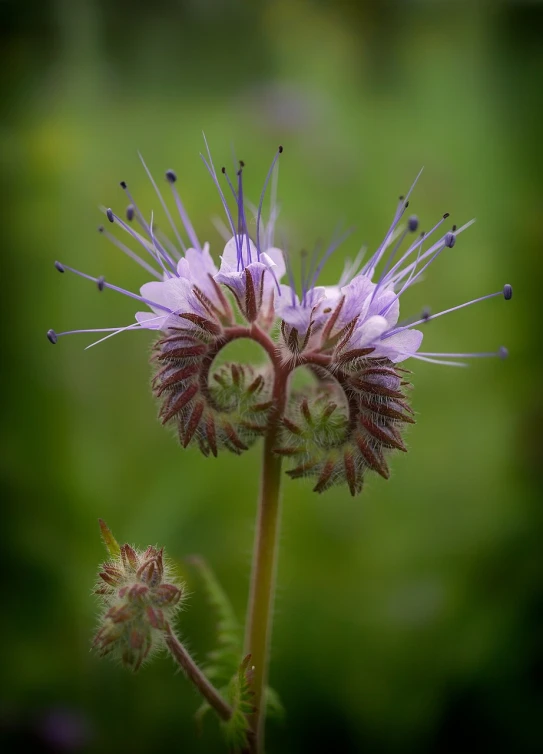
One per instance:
(349, 334)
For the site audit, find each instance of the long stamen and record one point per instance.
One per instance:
(242, 224)
(414, 246)
(262, 195)
(411, 227)
(239, 244)
(132, 254)
(328, 253)
(145, 225)
(506, 292)
(103, 284)
(155, 247)
(398, 277)
(113, 218)
(375, 259)
(501, 353)
(171, 177)
(213, 174)
(164, 205)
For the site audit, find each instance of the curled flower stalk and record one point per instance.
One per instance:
(349, 337)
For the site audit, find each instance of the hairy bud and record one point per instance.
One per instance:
(348, 425)
(139, 598)
(223, 408)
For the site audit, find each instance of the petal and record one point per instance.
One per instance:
(369, 331)
(276, 255)
(150, 321)
(402, 345)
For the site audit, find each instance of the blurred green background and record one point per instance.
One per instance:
(409, 619)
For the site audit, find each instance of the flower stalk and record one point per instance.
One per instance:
(262, 591)
(195, 675)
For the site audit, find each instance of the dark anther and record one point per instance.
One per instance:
(241, 164)
(426, 314)
(446, 215)
(52, 336)
(100, 229)
(280, 150)
(130, 213)
(123, 184)
(508, 292)
(450, 240)
(503, 353)
(101, 283)
(454, 228)
(110, 217)
(401, 197)
(171, 177)
(59, 267)
(413, 223)
(223, 170)
(406, 205)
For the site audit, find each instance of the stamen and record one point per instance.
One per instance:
(400, 275)
(262, 195)
(113, 218)
(52, 337)
(413, 224)
(230, 184)
(504, 292)
(415, 245)
(375, 259)
(126, 250)
(62, 268)
(328, 253)
(164, 205)
(145, 226)
(242, 224)
(130, 213)
(171, 177)
(213, 174)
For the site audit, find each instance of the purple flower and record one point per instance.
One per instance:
(349, 334)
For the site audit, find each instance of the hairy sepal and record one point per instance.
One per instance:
(212, 408)
(348, 426)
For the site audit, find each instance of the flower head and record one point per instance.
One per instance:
(349, 335)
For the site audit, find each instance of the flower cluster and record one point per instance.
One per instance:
(349, 336)
(140, 598)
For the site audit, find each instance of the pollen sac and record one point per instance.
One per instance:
(348, 426)
(214, 408)
(139, 598)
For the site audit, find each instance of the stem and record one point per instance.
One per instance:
(259, 623)
(194, 674)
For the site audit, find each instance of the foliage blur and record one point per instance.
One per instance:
(407, 620)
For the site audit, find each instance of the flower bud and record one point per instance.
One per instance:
(139, 598)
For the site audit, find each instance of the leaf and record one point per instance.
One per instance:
(223, 661)
(112, 546)
(240, 695)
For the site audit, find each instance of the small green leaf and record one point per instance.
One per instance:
(240, 695)
(112, 546)
(223, 661)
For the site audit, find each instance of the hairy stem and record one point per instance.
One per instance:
(259, 623)
(194, 674)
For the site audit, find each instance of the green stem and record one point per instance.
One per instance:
(194, 674)
(259, 618)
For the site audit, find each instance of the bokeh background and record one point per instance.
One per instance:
(409, 619)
